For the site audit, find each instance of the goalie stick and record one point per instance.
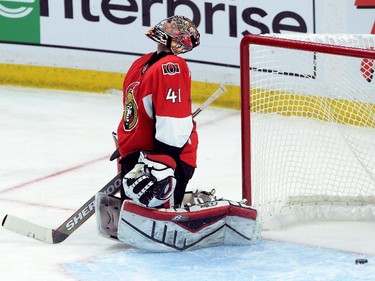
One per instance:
(55, 236)
(210, 100)
(58, 235)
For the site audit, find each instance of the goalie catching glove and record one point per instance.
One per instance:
(151, 182)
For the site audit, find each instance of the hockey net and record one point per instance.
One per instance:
(308, 127)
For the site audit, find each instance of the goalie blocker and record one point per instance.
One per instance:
(205, 222)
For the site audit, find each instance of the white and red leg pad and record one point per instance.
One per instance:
(221, 222)
(107, 211)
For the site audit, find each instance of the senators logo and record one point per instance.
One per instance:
(170, 68)
(130, 108)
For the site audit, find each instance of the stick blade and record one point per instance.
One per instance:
(28, 229)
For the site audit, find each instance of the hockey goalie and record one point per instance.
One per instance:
(157, 144)
(144, 221)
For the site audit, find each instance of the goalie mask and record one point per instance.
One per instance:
(177, 33)
(151, 182)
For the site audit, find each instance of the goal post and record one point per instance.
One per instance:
(307, 121)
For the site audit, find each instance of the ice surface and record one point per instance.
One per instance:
(268, 260)
(54, 151)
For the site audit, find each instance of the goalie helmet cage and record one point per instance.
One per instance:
(308, 126)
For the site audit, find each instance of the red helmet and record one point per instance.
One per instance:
(177, 33)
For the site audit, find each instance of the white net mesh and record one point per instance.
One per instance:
(312, 125)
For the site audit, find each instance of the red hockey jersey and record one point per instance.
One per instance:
(157, 105)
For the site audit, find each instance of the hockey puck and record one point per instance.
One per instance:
(361, 261)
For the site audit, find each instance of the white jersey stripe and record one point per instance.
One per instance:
(173, 131)
(147, 103)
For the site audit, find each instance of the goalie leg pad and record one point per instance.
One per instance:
(214, 223)
(107, 210)
(241, 228)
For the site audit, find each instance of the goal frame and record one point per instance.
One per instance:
(245, 100)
